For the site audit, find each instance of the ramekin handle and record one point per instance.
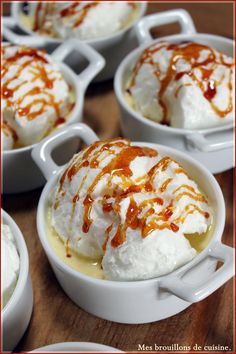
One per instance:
(96, 61)
(42, 152)
(195, 293)
(8, 23)
(199, 141)
(143, 27)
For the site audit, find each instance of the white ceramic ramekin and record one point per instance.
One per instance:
(213, 147)
(147, 300)
(19, 172)
(17, 312)
(77, 347)
(112, 47)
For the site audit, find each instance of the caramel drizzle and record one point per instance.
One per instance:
(39, 21)
(83, 13)
(190, 52)
(163, 187)
(37, 59)
(193, 195)
(190, 209)
(110, 203)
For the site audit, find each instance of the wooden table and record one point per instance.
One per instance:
(55, 318)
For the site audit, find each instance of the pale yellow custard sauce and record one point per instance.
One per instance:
(87, 266)
(93, 267)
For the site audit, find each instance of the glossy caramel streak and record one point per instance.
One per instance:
(165, 184)
(161, 166)
(192, 194)
(190, 209)
(83, 13)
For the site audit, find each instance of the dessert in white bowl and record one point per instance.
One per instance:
(185, 85)
(35, 97)
(155, 298)
(56, 99)
(128, 209)
(84, 20)
(106, 26)
(10, 264)
(204, 125)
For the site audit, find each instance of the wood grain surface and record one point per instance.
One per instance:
(55, 318)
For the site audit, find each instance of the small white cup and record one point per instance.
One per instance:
(17, 312)
(147, 300)
(112, 47)
(19, 172)
(77, 347)
(214, 146)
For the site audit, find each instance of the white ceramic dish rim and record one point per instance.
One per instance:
(87, 346)
(24, 265)
(218, 223)
(15, 11)
(128, 61)
(79, 82)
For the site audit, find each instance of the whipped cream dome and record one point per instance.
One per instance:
(10, 264)
(34, 96)
(131, 207)
(83, 20)
(187, 85)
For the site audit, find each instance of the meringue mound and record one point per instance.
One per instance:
(35, 97)
(187, 85)
(129, 207)
(83, 20)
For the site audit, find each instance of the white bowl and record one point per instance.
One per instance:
(77, 347)
(17, 312)
(213, 147)
(113, 47)
(147, 300)
(20, 174)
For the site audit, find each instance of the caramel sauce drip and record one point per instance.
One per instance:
(161, 166)
(36, 16)
(88, 202)
(165, 184)
(37, 59)
(137, 213)
(39, 21)
(190, 209)
(72, 10)
(119, 238)
(84, 13)
(190, 53)
(59, 121)
(192, 194)
(67, 249)
(108, 230)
